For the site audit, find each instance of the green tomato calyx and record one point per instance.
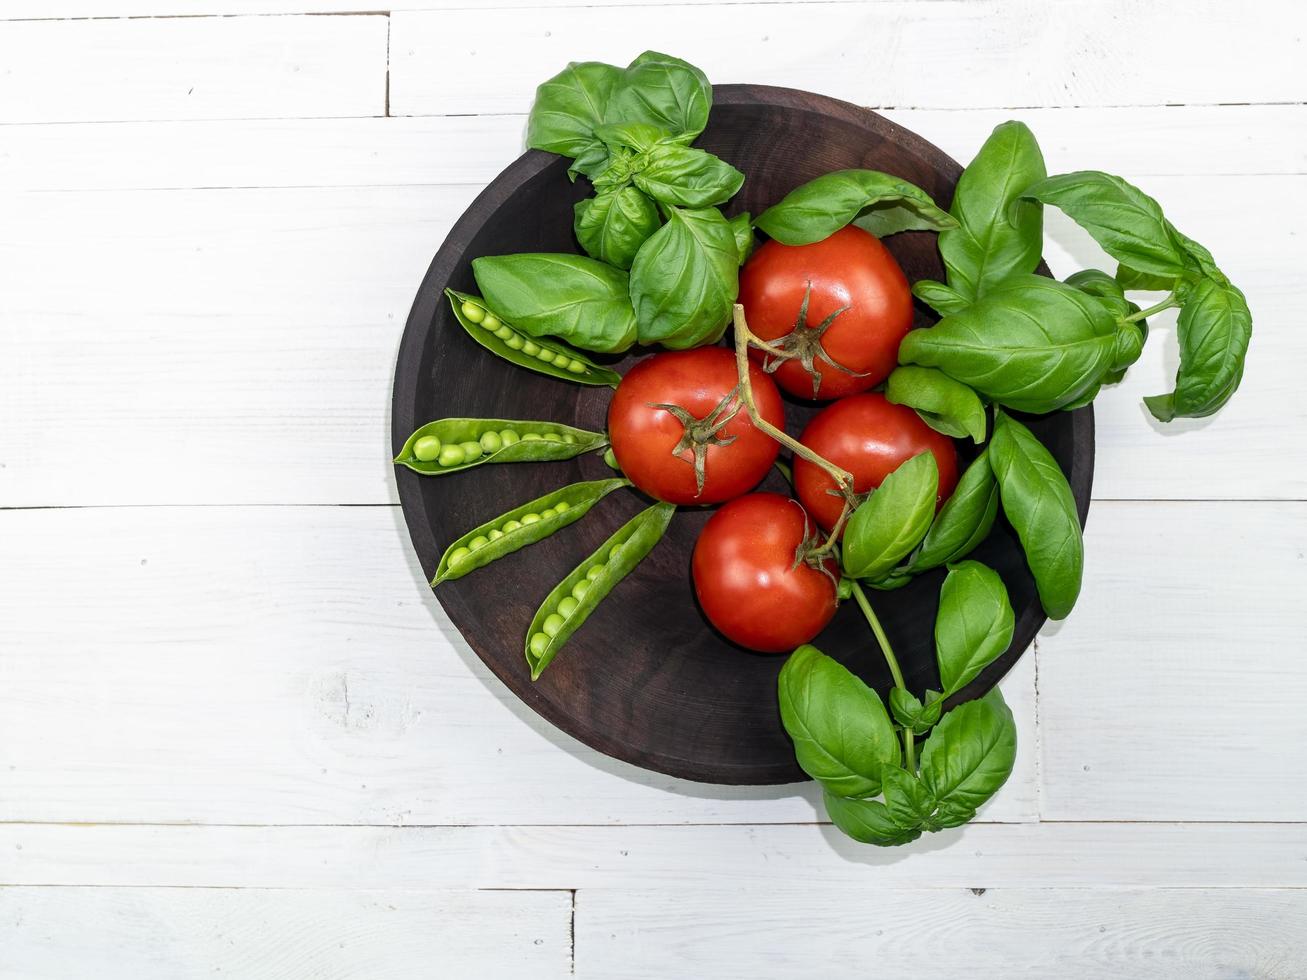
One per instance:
(700, 434)
(803, 344)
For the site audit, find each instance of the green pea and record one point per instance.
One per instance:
(595, 572)
(477, 315)
(515, 342)
(569, 438)
(567, 606)
(508, 436)
(452, 455)
(491, 443)
(617, 550)
(480, 541)
(552, 624)
(531, 348)
(552, 437)
(495, 534)
(580, 589)
(427, 448)
(458, 554)
(530, 519)
(531, 437)
(545, 356)
(492, 322)
(471, 450)
(561, 506)
(503, 333)
(576, 367)
(539, 643)
(547, 513)
(511, 525)
(562, 360)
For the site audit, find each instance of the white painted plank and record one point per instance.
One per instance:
(192, 68)
(940, 935)
(246, 665)
(181, 934)
(747, 859)
(1175, 689)
(233, 319)
(58, 9)
(980, 53)
(1143, 142)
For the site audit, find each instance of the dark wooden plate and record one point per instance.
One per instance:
(646, 679)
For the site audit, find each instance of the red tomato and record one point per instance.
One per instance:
(849, 276)
(871, 438)
(746, 579)
(646, 437)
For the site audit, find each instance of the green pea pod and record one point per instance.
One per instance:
(521, 526)
(564, 362)
(450, 445)
(576, 596)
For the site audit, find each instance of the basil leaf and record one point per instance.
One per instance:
(1134, 279)
(613, 225)
(688, 177)
(970, 754)
(888, 583)
(909, 803)
(579, 299)
(868, 822)
(1037, 500)
(890, 523)
(945, 405)
(1130, 338)
(636, 136)
(1125, 221)
(1197, 258)
(909, 712)
(953, 815)
(685, 279)
(964, 521)
(1098, 283)
(567, 109)
(1214, 329)
(879, 203)
(998, 235)
(974, 624)
(940, 298)
(742, 229)
(1031, 343)
(662, 91)
(842, 735)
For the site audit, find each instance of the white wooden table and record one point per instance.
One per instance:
(238, 736)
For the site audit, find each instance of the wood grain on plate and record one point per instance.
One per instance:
(645, 679)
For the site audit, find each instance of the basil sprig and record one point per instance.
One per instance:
(876, 202)
(844, 739)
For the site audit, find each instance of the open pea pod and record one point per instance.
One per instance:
(575, 597)
(521, 526)
(450, 445)
(543, 355)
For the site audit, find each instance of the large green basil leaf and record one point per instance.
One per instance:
(1130, 334)
(890, 523)
(879, 203)
(1125, 221)
(842, 734)
(1133, 279)
(945, 405)
(970, 754)
(567, 109)
(685, 279)
(640, 137)
(582, 300)
(1098, 283)
(614, 224)
(662, 91)
(868, 822)
(1130, 338)
(1214, 329)
(940, 298)
(1197, 257)
(998, 235)
(964, 521)
(1037, 500)
(687, 177)
(974, 624)
(1032, 344)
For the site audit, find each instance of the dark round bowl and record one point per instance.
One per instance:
(646, 679)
